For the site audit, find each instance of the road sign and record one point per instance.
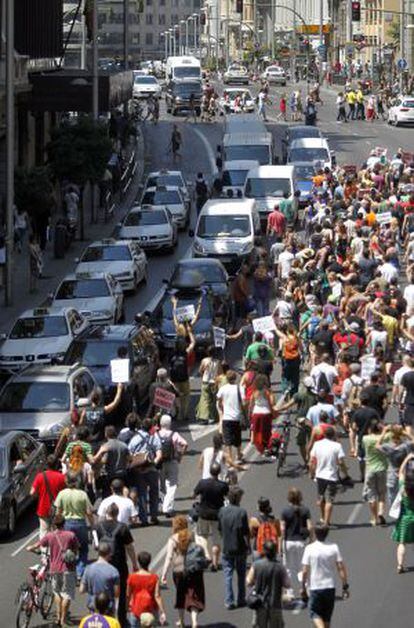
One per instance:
(402, 64)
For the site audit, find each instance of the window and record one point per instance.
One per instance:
(149, 39)
(26, 446)
(148, 19)
(161, 20)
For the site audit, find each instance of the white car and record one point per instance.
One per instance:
(236, 100)
(175, 178)
(312, 151)
(153, 227)
(145, 86)
(97, 296)
(274, 74)
(40, 336)
(236, 73)
(402, 111)
(124, 260)
(171, 198)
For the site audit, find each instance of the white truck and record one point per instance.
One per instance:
(182, 68)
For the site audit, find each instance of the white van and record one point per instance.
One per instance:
(252, 146)
(244, 123)
(234, 175)
(267, 186)
(226, 230)
(312, 151)
(183, 68)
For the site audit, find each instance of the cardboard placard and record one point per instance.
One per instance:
(368, 366)
(264, 324)
(120, 371)
(219, 337)
(164, 399)
(185, 313)
(384, 218)
(337, 290)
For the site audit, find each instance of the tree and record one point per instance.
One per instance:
(394, 32)
(79, 152)
(33, 190)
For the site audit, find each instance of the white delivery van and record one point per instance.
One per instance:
(311, 150)
(244, 123)
(226, 230)
(183, 68)
(234, 175)
(267, 185)
(251, 146)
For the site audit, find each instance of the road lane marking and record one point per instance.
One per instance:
(208, 148)
(354, 514)
(27, 541)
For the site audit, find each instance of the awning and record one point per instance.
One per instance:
(71, 90)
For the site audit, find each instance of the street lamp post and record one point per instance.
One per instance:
(182, 22)
(174, 36)
(186, 34)
(166, 38)
(196, 18)
(170, 42)
(9, 240)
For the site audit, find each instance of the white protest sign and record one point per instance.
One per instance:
(264, 324)
(185, 313)
(219, 337)
(368, 366)
(120, 371)
(384, 218)
(337, 290)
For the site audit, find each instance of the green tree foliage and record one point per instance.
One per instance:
(33, 190)
(79, 151)
(393, 32)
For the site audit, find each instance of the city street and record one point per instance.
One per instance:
(378, 596)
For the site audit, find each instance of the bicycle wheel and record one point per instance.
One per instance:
(24, 608)
(46, 598)
(280, 459)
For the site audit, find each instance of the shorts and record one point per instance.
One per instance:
(375, 486)
(268, 617)
(408, 417)
(209, 530)
(321, 604)
(64, 584)
(232, 433)
(327, 486)
(303, 435)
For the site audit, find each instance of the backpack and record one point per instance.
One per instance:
(178, 368)
(323, 383)
(267, 531)
(354, 400)
(167, 447)
(109, 536)
(77, 458)
(352, 349)
(195, 559)
(291, 349)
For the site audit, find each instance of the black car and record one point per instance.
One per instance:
(98, 345)
(298, 132)
(177, 97)
(209, 273)
(21, 458)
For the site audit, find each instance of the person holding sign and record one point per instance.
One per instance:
(180, 373)
(94, 416)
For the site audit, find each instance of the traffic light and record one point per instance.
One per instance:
(239, 6)
(356, 11)
(202, 18)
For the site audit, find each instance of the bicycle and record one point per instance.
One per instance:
(35, 595)
(280, 442)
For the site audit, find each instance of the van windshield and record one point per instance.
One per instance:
(224, 226)
(253, 152)
(234, 177)
(262, 188)
(182, 72)
(308, 154)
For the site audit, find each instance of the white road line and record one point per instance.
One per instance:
(208, 148)
(27, 541)
(354, 514)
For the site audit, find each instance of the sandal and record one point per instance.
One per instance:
(400, 569)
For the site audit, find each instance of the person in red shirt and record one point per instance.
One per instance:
(47, 484)
(276, 224)
(143, 592)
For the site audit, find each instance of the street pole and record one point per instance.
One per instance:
(186, 36)
(403, 51)
(293, 51)
(179, 39)
(166, 38)
(95, 76)
(273, 29)
(9, 239)
(174, 36)
(83, 44)
(195, 33)
(321, 41)
(126, 34)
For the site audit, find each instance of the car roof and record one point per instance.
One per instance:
(163, 173)
(108, 242)
(46, 372)
(234, 139)
(85, 275)
(193, 262)
(303, 128)
(53, 310)
(236, 89)
(163, 188)
(309, 142)
(240, 164)
(140, 209)
(267, 172)
(108, 332)
(222, 206)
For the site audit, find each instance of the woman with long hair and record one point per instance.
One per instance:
(403, 532)
(290, 345)
(261, 413)
(190, 595)
(210, 368)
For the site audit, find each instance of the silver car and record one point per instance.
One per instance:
(170, 198)
(154, 228)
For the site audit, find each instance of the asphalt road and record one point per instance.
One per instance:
(379, 597)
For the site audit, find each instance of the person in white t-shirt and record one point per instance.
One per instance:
(323, 367)
(388, 270)
(127, 511)
(398, 390)
(229, 403)
(408, 295)
(320, 562)
(326, 458)
(285, 263)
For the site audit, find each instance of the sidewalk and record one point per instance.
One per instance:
(56, 269)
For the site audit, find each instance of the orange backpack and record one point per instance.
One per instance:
(291, 349)
(267, 531)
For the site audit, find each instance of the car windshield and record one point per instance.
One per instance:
(39, 327)
(82, 289)
(298, 134)
(186, 89)
(3, 463)
(274, 70)
(175, 180)
(408, 103)
(262, 188)
(106, 254)
(233, 93)
(140, 219)
(145, 80)
(35, 397)
(308, 154)
(209, 272)
(224, 225)
(234, 177)
(93, 353)
(236, 68)
(167, 308)
(304, 172)
(251, 152)
(161, 197)
(187, 72)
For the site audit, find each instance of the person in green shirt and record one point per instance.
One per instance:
(287, 208)
(375, 483)
(252, 353)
